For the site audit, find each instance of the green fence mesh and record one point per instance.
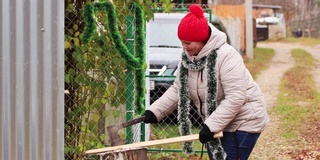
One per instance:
(101, 86)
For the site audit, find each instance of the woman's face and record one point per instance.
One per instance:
(193, 48)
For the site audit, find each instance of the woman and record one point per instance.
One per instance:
(212, 75)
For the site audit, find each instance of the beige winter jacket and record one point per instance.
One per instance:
(241, 103)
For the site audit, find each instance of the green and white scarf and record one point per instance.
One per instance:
(184, 101)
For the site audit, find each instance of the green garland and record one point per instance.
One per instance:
(184, 108)
(184, 102)
(135, 61)
(211, 100)
(140, 53)
(90, 27)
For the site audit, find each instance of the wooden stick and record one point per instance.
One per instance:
(187, 138)
(218, 135)
(145, 144)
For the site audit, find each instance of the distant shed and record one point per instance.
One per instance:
(265, 10)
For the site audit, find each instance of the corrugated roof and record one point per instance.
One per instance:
(266, 6)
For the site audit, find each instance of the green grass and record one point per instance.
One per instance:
(303, 41)
(172, 130)
(260, 61)
(298, 100)
(172, 151)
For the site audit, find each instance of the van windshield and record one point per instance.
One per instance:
(163, 33)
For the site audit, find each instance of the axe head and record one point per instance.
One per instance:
(114, 138)
(113, 131)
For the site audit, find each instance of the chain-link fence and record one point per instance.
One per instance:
(104, 86)
(100, 83)
(309, 27)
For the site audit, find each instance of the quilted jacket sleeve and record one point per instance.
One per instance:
(168, 102)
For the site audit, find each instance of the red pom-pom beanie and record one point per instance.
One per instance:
(194, 26)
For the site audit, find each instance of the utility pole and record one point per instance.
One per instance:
(249, 29)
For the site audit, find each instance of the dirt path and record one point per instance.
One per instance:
(271, 145)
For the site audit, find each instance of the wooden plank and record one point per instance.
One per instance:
(151, 143)
(187, 138)
(218, 135)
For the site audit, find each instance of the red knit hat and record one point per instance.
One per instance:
(194, 26)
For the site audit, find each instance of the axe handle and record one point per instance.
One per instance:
(134, 121)
(142, 118)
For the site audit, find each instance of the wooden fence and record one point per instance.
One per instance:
(310, 27)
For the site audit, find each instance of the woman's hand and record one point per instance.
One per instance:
(150, 117)
(205, 134)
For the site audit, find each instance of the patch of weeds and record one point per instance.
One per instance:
(303, 41)
(172, 151)
(298, 101)
(260, 61)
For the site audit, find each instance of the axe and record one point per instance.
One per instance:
(113, 130)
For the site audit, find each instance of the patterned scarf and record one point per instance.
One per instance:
(184, 101)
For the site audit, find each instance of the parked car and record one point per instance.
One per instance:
(164, 52)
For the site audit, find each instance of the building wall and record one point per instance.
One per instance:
(263, 12)
(32, 80)
(277, 32)
(236, 12)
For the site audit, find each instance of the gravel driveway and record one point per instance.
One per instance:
(271, 145)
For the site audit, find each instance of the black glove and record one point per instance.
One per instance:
(150, 117)
(205, 134)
